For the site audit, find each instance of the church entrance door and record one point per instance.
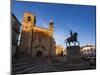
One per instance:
(39, 53)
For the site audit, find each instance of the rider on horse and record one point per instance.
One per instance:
(72, 38)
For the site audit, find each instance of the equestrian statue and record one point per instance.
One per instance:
(72, 39)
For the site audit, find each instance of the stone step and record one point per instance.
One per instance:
(32, 67)
(26, 70)
(19, 64)
(43, 68)
(21, 67)
(39, 70)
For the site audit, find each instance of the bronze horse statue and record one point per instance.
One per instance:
(72, 38)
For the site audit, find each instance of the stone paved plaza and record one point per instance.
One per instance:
(43, 65)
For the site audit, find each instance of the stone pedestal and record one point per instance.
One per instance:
(73, 54)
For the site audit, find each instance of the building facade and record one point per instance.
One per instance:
(60, 50)
(88, 50)
(15, 33)
(36, 41)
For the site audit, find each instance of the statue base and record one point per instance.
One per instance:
(73, 54)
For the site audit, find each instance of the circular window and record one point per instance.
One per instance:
(29, 18)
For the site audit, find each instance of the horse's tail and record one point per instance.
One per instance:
(65, 41)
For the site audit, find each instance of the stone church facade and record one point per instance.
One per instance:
(36, 41)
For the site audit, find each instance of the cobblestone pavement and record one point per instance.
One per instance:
(43, 65)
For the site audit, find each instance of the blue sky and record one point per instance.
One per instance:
(79, 18)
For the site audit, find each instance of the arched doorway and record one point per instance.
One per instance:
(39, 53)
(39, 50)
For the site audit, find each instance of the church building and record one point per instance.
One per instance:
(36, 41)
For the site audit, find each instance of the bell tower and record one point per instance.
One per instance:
(28, 23)
(29, 20)
(51, 26)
